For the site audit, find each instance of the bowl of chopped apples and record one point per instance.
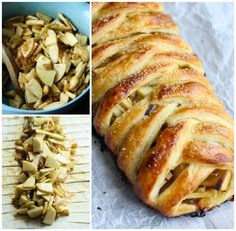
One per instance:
(49, 43)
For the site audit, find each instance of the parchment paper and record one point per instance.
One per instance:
(208, 29)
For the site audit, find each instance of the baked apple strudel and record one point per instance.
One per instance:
(157, 111)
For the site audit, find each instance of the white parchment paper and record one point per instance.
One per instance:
(208, 29)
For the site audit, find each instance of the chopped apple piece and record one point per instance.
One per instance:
(43, 17)
(22, 80)
(46, 76)
(83, 53)
(19, 31)
(22, 177)
(74, 82)
(45, 187)
(64, 98)
(143, 91)
(66, 21)
(79, 70)
(69, 39)
(22, 211)
(28, 166)
(37, 145)
(41, 121)
(66, 61)
(29, 183)
(71, 95)
(29, 97)
(30, 75)
(116, 112)
(82, 39)
(34, 22)
(44, 63)
(34, 87)
(51, 38)
(51, 161)
(27, 48)
(53, 52)
(50, 134)
(23, 199)
(50, 216)
(35, 212)
(126, 103)
(60, 71)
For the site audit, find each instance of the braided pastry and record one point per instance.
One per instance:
(157, 112)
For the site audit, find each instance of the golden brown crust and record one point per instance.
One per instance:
(157, 112)
(127, 64)
(119, 26)
(206, 153)
(160, 42)
(101, 10)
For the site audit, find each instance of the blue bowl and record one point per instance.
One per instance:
(77, 12)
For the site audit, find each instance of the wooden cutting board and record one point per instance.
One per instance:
(76, 128)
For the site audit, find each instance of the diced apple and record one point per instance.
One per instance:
(50, 216)
(51, 161)
(35, 88)
(60, 71)
(29, 183)
(53, 52)
(79, 70)
(69, 39)
(32, 22)
(45, 187)
(66, 61)
(143, 91)
(43, 17)
(37, 144)
(27, 48)
(29, 167)
(31, 75)
(51, 38)
(29, 97)
(35, 212)
(126, 103)
(44, 62)
(46, 76)
(82, 39)
(64, 98)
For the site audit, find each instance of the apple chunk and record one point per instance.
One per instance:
(51, 38)
(29, 97)
(27, 48)
(69, 39)
(44, 62)
(53, 52)
(35, 88)
(47, 77)
(60, 71)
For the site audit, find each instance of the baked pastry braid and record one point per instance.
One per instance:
(157, 112)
